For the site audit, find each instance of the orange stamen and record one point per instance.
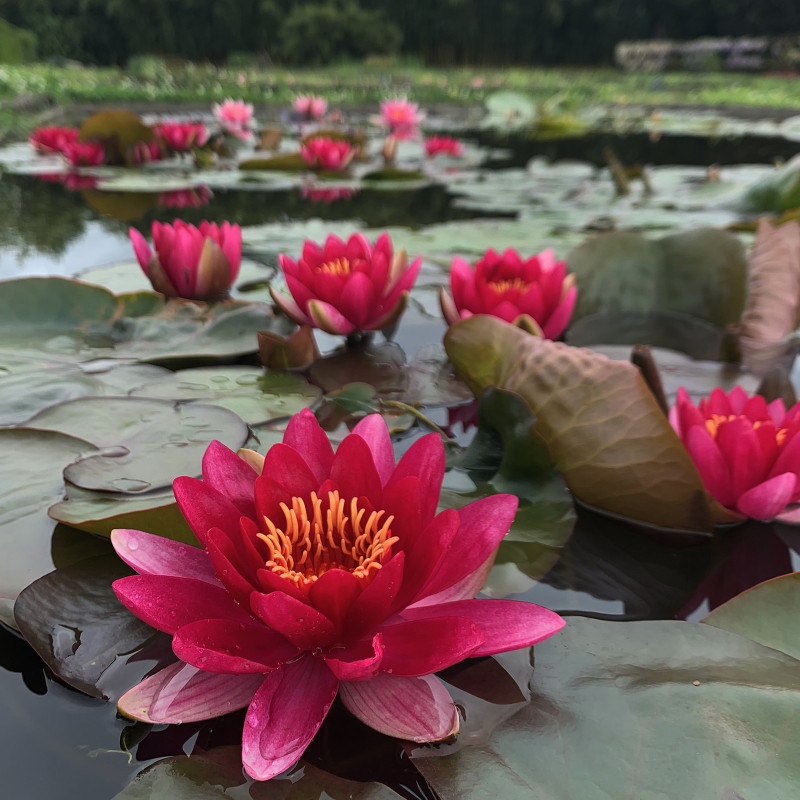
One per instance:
(314, 541)
(339, 266)
(501, 287)
(715, 420)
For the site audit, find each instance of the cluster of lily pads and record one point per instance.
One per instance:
(327, 573)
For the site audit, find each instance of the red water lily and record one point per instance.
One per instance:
(443, 145)
(196, 263)
(746, 450)
(536, 289)
(330, 155)
(53, 138)
(350, 286)
(322, 574)
(84, 154)
(180, 137)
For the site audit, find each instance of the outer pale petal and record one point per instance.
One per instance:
(230, 475)
(180, 693)
(506, 624)
(141, 248)
(329, 319)
(417, 709)
(768, 499)
(373, 431)
(290, 308)
(214, 272)
(449, 310)
(217, 645)
(284, 715)
(155, 555)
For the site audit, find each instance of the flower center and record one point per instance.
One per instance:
(324, 537)
(715, 420)
(340, 266)
(503, 286)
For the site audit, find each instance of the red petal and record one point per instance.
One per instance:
(354, 472)
(141, 248)
(358, 662)
(284, 715)
(428, 645)
(417, 709)
(216, 645)
(711, 465)
(155, 555)
(333, 595)
(425, 460)
(181, 693)
(205, 508)
(506, 624)
(357, 301)
(372, 606)
(301, 624)
(304, 434)
(373, 431)
(224, 471)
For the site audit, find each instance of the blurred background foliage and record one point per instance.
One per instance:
(315, 32)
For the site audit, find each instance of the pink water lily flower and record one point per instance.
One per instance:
(181, 137)
(443, 145)
(322, 574)
(236, 118)
(328, 155)
(536, 289)
(401, 117)
(310, 106)
(195, 263)
(84, 154)
(350, 286)
(145, 152)
(746, 450)
(53, 138)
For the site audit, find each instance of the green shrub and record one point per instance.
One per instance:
(16, 45)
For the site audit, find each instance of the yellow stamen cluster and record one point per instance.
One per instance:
(317, 539)
(501, 287)
(339, 266)
(715, 420)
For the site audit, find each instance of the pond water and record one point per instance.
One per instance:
(57, 742)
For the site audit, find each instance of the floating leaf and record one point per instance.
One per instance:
(609, 699)
(119, 131)
(287, 162)
(603, 428)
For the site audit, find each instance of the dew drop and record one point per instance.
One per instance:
(253, 720)
(133, 545)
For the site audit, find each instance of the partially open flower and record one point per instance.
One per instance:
(310, 106)
(53, 138)
(195, 263)
(322, 574)
(350, 286)
(401, 117)
(235, 117)
(328, 155)
(443, 145)
(746, 451)
(84, 154)
(506, 286)
(181, 137)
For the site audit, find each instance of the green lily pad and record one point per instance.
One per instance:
(256, 395)
(286, 162)
(767, 613)
(70, 320)
(509, 111)
(702, 273)
(151, 441)
(602, 427)
(777, 192)
(610, 699)
(31, 466)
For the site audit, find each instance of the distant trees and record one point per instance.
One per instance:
(439, 31)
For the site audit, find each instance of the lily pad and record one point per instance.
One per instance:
(151, 442)
(255, 395)
(609, 699)
(31, 466)
(603, 428)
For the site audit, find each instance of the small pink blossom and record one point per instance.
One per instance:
(746, 450)
(443, 145)
(53, 139)
(181, 137)
(401, 117)
(310, 106)
(236, 118)
(350, 286)
(84, 154)
(507, 286)
(322, 574)
(329, 155)
(196, 263)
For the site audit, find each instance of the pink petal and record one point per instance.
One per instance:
(425, 460)
(231, 568)
(372, 429)
(141, 248)
(357, 662)
(301, 624)
(181, 693)
(427, 645)
(559, 319)
(156, 555)
(284, 715)
(768, 499)
(204, 508)
(373, 604)
(290, 308)
(333, 593)
(329, 319)
(167, 603)
(357, 301)
(739, 446)
(286, 474)
(224, 471)
(304, 434)
(710, 464)
(353, 471)
(216, 645)
(465, 589)
(506, 624)
(417, 709)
